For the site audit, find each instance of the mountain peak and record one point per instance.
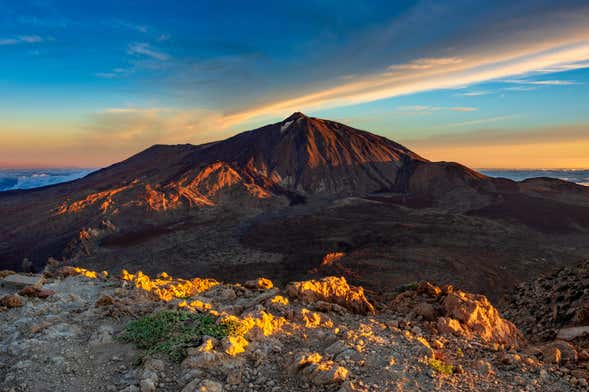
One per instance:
(295, 116)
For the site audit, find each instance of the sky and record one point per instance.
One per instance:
(490, 84)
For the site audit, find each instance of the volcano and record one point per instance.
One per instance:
(295, 158)
(241, 204)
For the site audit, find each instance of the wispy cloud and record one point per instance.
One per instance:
(463, 109)
(521, 85)
(114, 73)
(144, 49)
(31, 39)
(474, 69)
(118, 23)
(21, 39)
(163, 37)
(430, 109)
(521, 88)
(417, 109)
(474, 93)
(543, 82)
(478, 59)
(426, 63)
(498, 136)
(105, 136)
(565, 67)
(475, 122)
(123, 130)
(51, 22)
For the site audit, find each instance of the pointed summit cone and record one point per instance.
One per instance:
(314, 156)
(295, 116)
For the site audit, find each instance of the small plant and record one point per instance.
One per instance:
(233, 327)
(171, 332)
(441, 367)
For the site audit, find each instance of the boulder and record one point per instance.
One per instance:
(484, 368)
(318, 371)
(337, 347)
(103, 335)
(572, 333)
(551, 354)
(104, 300)
(450, 326)
(234, 345)
(19, 280)
(322, 306)
(559, 350)
(203, 356)
(12, 301)
(5, 273)
(428, 288)
(476, 313)
(312, 319)
(147, 385)
(35, 291)
(426, 311)
(203, 360)
(333, 290)
(259, 284)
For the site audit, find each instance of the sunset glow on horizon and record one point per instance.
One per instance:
(88, 85)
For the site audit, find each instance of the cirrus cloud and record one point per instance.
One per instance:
(431, 109)
(145, 49)
(22, 39)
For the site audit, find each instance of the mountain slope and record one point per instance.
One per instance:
(314, 156)
(299, 155)
(271, 166)
(194, 204)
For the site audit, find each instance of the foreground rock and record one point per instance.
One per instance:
(318, 340)
(477, 314)
(332, 290)
(458, 313)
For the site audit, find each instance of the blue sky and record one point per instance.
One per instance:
(497, 83)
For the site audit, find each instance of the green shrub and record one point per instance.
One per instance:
(441, 367)
(172, 331)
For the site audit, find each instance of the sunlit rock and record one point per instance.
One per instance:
(477, 314)
(331, 289)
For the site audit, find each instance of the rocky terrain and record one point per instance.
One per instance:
(275, 200)
(553, 306)
(76, 329)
